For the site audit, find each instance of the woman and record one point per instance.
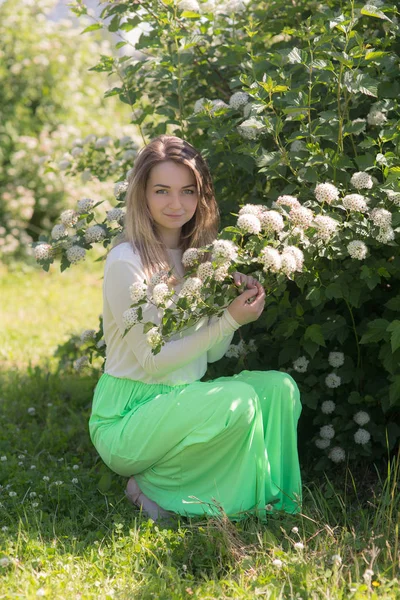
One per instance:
(187, 446)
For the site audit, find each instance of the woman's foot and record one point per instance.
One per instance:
(137, 498)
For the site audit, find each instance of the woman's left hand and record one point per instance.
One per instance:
(246, 280)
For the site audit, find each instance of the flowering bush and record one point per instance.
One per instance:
(300, 128)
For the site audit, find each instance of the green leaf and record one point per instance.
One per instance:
(394, 303)
(376, 331)
(333, 290)
(370, 10)
(394, 392)
(374, 55)
(394, 329)
(314, 333)
(93, 27)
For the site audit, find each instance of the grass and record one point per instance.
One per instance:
(66, 530)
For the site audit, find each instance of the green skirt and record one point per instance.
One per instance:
(228, 444)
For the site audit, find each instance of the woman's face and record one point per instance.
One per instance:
(172, 199)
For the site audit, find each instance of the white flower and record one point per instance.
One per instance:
(77, 151)
(75, 467)
(393, 196)
(355, 202)
(103, 142)
(199, 105)
(138, 291)
(362, 436)
(221, 272)
(336, 359)
(4, 528)
(115, 214)
(322, 444)
(295, 530)
(337, 454)
(301, 217)
(64, 164)
(89, 139)
(225, 250)
(297, 254)
(3, 458)
(124, 140)
(4, 562)
(277, 562)
(361, 418)
(85, 205)
(249, 224)
(87, 335)
(290, 201)
(332, 380)
(100, 344)
(95, 233)
(250, 128)
(326, 226)
(326, 192)
(32, 495)
(216, 104)
(190, 5)
(357, 249)
(43, 251)
(368, 573)
(191, 287)
(271, 259)
(381, 217)
(238, 99)
(271, 220)
(58, 232)
(234, 6)
(153, 337)
(361, 180)
(385, 235)
(159, 277)
(130, 317)
(327, 407)
(297, 146)
(74, 480)
(31, 411)
(129, 155)
(337, 559)
(160, 293)
(300, 364)
(69, 218)
(46, 478)
(12, 494)
(288, 263)
(205, 270)
(327, 432)
(120, 188)
(376, 117)
(59, 482)
(190, 257)
(75, 254)
(252, 209)
(232, 352)
(81, 362)
(299, 545)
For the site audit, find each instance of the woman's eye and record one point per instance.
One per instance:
(191, 191)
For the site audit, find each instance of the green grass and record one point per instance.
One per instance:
(83, 540)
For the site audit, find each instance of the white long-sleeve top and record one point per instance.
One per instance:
(181, 360)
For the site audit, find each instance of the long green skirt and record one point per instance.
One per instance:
(228, 444)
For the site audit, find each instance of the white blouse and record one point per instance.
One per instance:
(181, 360)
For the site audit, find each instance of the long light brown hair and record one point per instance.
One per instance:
(139, 228)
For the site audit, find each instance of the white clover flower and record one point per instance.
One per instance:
(138, 291)
(361, 180)
(32, 495)
(368, 574)
(271, 220)
(322, 444)
(33, 466)
(74, 480)
(190, 257)
(190, 5)
(12, 494)
(327, 432)
(337, 559)
(295, 530)
(43, 251)
(75, 467)
(326, 192)
(69, 218)
(326, 227)
(58, 232)
(362, 436)
(130, 317)
(251, 128)
(95, 233)
(252, 209)
(100, 344)
(393, 196)
(75, 254)
(381, 217)
(160, 293)
(297, 146)
(81, 362)
(288, 263)
(191, 287)
(332, 380)
(115, 214)
(336, 359)
(376, 118)
(3, 458)
(249, 224)
(120, 188)
(4, 561)
(85, 205)
(301, 217)
(299, 545)
(290, 201)
(300, 364)
(46, 478)
(153, 337)
(385, 235)
(355, 202)
(205, 270)
(31, 411)
(87, 335)
(327, 407)
(337, 454)
(159, 277)
(238, 100)
(232, 352)
(199, 105)
(221, 272)
(225, 250)
(58, 482)
(4, 528)
(271, 259)
(297, 254)
(361, 418)
(277, 562)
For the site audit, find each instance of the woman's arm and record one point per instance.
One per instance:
(119, 275)
(218, 350)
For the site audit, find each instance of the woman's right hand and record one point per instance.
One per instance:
(243, 312)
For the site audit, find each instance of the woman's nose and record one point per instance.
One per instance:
(175, 201)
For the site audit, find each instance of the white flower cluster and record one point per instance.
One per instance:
(238, 100)
(290, 260)
(326, 192)
(43, 251)
(137, 291)
(326, 227)
(154, 337)
(290, 201)
(58, 232)
(271, 259)
(241, 349)
(361, 180)
(221, 272)
(357, 249)
(271, 221)
(69, 218)
(376, 117)
(337, 454)
(190, 257)
(191, 287)
(361, 418)
(336, 359)
(115, 214)
(328, 407)
(355, 202)
(159, 277)
(95, 233)
(224, 251)
(362, 436)
(251, 128)
(199, 105)
(161, 292)
(76, 254)
(251, 209)
(385, 235)
(190, 5)
(393, 196)
(249, 224)
(85, 205)
(80, 362)
(130, 317)
(120, 189)
(205, 270)
(87, 335)
(322, 444)
(332, 381)
(300, 364)
(381, 217)
(327, 432)
(301, 217)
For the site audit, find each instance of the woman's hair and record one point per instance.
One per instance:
(139, 227)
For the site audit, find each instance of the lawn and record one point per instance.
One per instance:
(66, 530)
